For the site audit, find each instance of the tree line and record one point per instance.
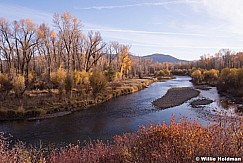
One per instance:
(224, 58)
(40, 56)
(27, 47)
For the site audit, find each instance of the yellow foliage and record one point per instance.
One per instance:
(75, 20)
(211, 76)
(59, 76)
(39, 33)
(98, 82)
(81, 77)
(53, 34)
(31, 76)
(197, 76)
(118, 75)
(3, 79)
(18, 83)
(125, 60)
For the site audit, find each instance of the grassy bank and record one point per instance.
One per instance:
(175, 97)
(177, 142)
(36, 104)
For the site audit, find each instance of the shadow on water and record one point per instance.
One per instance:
(103, 121)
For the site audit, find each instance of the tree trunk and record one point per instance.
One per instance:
(1, 66)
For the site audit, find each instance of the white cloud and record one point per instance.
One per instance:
(144, 32)
(228, 12)
(138, 5)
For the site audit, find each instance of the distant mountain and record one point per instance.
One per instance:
(163, 58)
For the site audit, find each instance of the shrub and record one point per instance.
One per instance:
(3, 79)
(197, 76)
(231, 81)
(18, 83)
(177, 142)
(68, 83)
(81, 82)
(77, 78)
(240, 77)
(31, 77)
(58, 79)
(110, 74)
(160, 73)
(98, 82)
(211, 76)
(163, 72)
(81, 77)
(5, 84)
(181, 72)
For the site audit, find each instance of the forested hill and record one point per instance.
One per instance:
(163, 58)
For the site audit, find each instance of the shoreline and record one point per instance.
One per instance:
(64, 107)
(176, 97)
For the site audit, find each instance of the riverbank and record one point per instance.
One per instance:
(48, 104)
(175, 97)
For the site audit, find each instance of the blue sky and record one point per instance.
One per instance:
(185, 29)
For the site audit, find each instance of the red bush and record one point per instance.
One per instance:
(177, 142)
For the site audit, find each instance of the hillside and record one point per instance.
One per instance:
(163, 58)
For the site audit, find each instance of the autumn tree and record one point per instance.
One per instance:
(231, 81)
(46, 46)
(238, 60)
(69, 30)
(6, 45)
(124, 61)
(94, 50)
(112, 51)
(38, 52)
(26, 40)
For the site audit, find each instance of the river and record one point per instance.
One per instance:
(117, 116)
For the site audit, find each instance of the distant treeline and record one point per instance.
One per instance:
(228, 80)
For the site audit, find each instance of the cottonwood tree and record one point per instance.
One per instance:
(46, 47)
(26, 47)
(94, 50)
(112, 51)
(238, 60)
(6, 44)
(26, 39)
(69, 30)
(124, 61)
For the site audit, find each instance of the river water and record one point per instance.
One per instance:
(117, 116)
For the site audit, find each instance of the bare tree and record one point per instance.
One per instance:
(94, 47)
(6, 44)
(69, 29)
(112, 51)
(46, 46)
(26, 40)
